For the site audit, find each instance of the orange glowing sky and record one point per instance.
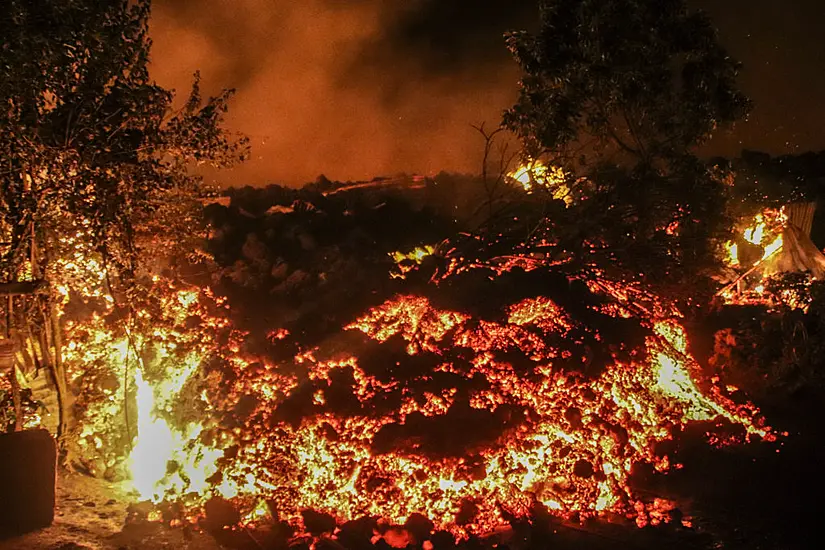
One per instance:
(368, 87)
(306, 116)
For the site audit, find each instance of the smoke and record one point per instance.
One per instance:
(348, 89)
(359, 88)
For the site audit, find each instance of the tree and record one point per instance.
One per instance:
(621, 93)
(95, 160)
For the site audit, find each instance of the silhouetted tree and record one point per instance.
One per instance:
(621, 93)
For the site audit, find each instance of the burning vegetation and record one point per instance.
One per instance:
(455, 353)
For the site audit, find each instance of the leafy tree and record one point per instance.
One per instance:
(621, 93)
(95, 160)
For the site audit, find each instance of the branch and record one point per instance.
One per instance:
(16, 288)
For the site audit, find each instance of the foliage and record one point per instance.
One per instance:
(176, 331)
(95, 159)
(620, 93)
(29, 407)
(87, 140)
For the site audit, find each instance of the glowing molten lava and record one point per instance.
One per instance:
(414, 408)
(570, 441)
(154, 443)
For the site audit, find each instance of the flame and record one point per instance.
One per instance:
(154, 443)
(765, 226)
(772, 248)
(534, 174)
(766, 231)
(416, 255)
(756, 232)
(732, 254)
(406, 261)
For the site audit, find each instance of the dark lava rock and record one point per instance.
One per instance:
(357, 534)
(443, 540)
(328, 544)
(220, 513)
(419, 526)
(317, 523)
(574, 416)
(467, 511)
(583, 468)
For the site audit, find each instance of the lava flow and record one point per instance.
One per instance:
(411, 409)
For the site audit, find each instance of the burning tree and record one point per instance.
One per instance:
(619, 94)
(95, 168)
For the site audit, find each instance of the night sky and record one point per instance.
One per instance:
(362, 88)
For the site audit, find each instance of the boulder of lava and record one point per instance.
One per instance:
(394, 537)
(357, 534)
(318, 523)
(583, 468)
(220, 513)
(419, 526)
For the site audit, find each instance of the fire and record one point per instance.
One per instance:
(732, 254)
(764, 235)
(407, 261)
(416, 255)
(155, 443)
(535, 174)
(164, 461)
(756, 232)
(765, 227)
(774, 247)
(133, 383)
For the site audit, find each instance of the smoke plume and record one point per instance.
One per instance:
(363, 88)
(348, 89)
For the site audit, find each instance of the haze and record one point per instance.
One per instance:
(364, 88)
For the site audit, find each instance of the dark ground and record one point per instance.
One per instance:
(763, 495)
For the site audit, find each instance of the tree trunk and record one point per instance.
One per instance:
(54, 336)
(50, 347)
(15, 386)
(64, 424)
